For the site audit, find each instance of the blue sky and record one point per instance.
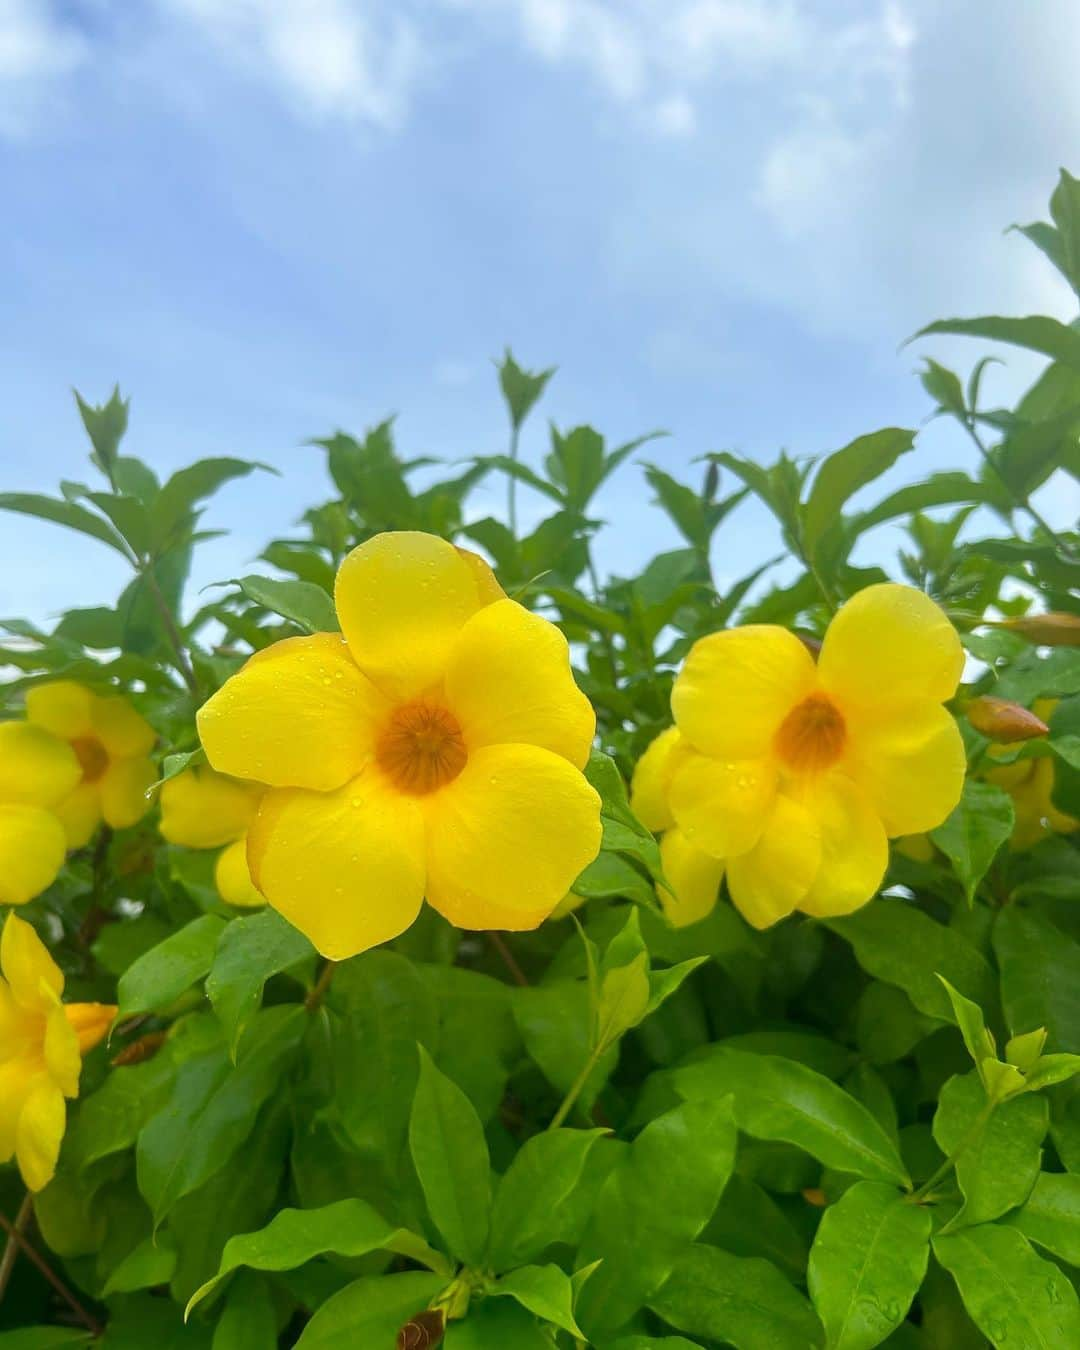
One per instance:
(271, 218)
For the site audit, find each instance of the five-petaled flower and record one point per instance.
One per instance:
(792, 775)
(112, 744)
(434, 749)
(203, 809)
(42, 1044)
(37, 773)
(1030, 783)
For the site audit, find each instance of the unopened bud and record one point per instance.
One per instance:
(1055, 629)
(138, 1052)
(814, 1195)
(1003, 721)
(423, 1331)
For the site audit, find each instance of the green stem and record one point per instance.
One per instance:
(16, 1236)
(950, 1162)
(318, 993)
(172, 632)
(511, 494)
(11, 1248)
(1022, 500)
(575, 1089)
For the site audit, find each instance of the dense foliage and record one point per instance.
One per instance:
(631, 1126)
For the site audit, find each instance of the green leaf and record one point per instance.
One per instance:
(172, 766)
(545, 1291)
(1040, 977)
(497, 1324)
(521, 388)
(249, 1319)
(740, 1301)
(532, 1202)
(42, 1338)
(174, 504)
(776, 1098)
(943, 385)
(295, 1236)
(844, 473)
(1050, 1217)
(979, 826)
(651, 1343)
(63, 513)
(1000, 1156)
(555, 1021)
(1037, 333)
(866, 1265)
(151, 1263)
(108, 1121)
(449, 1152)
(213, 1109)
(685, 1156)
(969, 1018)
(156, 980)
(901, 945)
(305, 604)
(1016, 1299)
(106, 425)
(248, 952)
(623, 832)
(369, 1312)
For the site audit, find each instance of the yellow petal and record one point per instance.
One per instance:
(345, 867)
(299, 714)
(233, 877)
(722, 805)
(32, 849)
(773, 878)
(36, 768)
(487, 585)
(910, 762)
(737, 687)
(694, 876)
(62, 707)
(650, 785)
(90, 1022)
(16, 1079)
(402, 598)
(62, 1058)
(120, 729)
(890, 645)
(38, 1134)
(854, 849)
(508, 837)
(204, 809)
(508, 681)
(123, 788)
(35, 979)
(80, 814)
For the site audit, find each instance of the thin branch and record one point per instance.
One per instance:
(11, 1247)
(176, 642)
(508, 959)
(14, 1235)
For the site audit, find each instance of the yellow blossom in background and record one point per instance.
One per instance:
(42, 1042)
(795, 774)
(37, 773)
(1030, 783)
(203, 809)
(433, 749)
(112, 744)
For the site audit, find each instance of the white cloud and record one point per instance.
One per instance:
(36, 50)
(675, 116)
(358, 60)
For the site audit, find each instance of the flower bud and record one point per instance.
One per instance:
(1003, 721)
(422, 1332)
(1054, 629)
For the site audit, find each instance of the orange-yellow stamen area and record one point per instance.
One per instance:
(812, 735)
(92, 756)
(421, 748)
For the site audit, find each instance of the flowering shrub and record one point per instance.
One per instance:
(426, 941)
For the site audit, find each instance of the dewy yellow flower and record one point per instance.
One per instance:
(435, 749)
(112, 744)
(203, 809)
(42, 1042)
(795, 774)
(37, 773)
(1030, 783)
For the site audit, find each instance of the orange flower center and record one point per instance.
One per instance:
(812, 735)
(92, 757)
(421, 748)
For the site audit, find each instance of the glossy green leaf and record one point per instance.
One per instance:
(979, 826)
(1040, 976)
(370, 1312)
(168, 970)
(545, 1291)
(248, 953)
(305, 604)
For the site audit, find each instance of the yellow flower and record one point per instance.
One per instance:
(37, 772)
(1030, 783)
(204, 809)
(42, 1042)
(796, 774)
(112, 744)
(433, 750)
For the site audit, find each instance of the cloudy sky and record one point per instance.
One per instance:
(271, 218)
